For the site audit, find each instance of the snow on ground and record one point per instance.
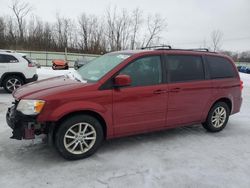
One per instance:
(182, 157)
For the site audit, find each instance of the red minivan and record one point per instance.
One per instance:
(126, 93)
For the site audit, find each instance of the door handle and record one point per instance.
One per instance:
(175, 90)
(159, 91)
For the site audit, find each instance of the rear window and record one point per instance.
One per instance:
(27, 59)
(182, 68)
(220, 67)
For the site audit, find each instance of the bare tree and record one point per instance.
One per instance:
(136, 22)
(2, 32)
(155, 25)
(216, 39)
(20, 9)
(117, 29)
(63, 32)
(87, 25)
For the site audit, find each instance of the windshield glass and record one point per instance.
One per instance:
(97, 68)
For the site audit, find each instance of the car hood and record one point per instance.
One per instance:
(46, 87)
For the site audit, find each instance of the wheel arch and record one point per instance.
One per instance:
(225, 100)
(5, 75)
(83, 112)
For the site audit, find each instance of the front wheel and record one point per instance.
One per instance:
(217, 117)
(79, 137)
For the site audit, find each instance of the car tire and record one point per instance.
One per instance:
(78, 137)
(217, 117)
(11, 83)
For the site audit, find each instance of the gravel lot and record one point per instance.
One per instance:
(182, 157)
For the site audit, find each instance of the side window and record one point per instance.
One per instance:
(182, 68)
(7, 59)
(144, 71)
(220, 67)
(1, 59)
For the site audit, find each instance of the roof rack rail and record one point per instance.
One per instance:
(159, 47)
(198, 49)
(194, 49)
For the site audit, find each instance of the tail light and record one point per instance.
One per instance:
(241, 85)
(31, 65)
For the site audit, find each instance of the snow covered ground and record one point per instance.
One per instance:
(182, 157)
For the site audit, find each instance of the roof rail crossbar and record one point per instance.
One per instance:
(157, 47)
(195, 49)
(199, 49)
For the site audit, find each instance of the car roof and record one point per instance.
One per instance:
(10, 52)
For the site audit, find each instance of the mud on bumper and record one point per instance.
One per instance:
(23, 126)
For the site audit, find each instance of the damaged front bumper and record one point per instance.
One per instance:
(23, 126)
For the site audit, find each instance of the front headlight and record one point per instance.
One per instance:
(30, 107)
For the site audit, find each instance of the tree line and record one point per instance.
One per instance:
(115, 30)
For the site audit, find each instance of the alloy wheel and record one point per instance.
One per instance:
(219, 117)
(13, 83)
(79, 138)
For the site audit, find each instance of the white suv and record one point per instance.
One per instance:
(15, 70)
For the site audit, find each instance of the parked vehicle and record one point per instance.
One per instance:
(15, 70)
(244, 69)
(239, 67)
(126, 93)
(59, 64)
(80, 62)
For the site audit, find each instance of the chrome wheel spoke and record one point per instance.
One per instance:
(87, 146)
(85, 128)
(89, 133)
(81, 147)
(71, 143)
(76, 144)
(89, 138)
(80, 128)
(73, 132)
(68, 136)
(213, 120)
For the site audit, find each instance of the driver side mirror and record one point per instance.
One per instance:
(122, 80)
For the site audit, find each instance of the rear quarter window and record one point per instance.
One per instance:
(7, 59)
(220, 67)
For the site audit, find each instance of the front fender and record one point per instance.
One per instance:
(69, 107)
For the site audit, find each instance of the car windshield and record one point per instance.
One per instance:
(98, 67)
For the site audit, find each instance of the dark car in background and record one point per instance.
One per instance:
(80, 62)
(239, 67)
(244, 69)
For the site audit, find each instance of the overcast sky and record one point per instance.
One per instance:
(189, 22)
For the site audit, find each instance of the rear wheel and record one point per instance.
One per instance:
(11, 83)
(79, 137)
(217, 117)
